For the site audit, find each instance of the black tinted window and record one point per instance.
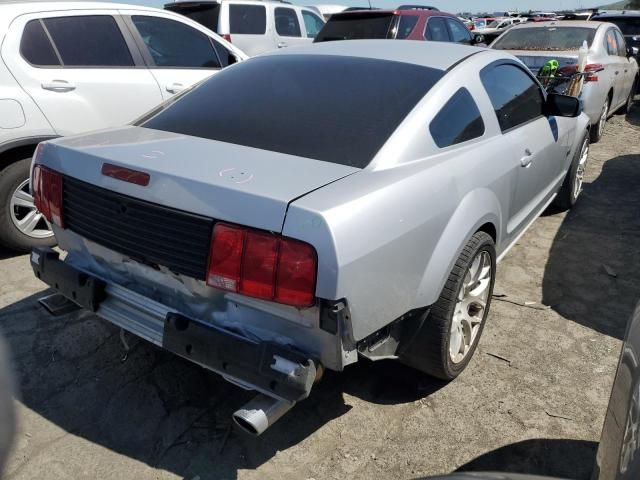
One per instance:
(458, 121)
(459, 33)
(204, 13)
(356, 27)
(226, 57)
(332, 108)
(437, 30)
(89, 41)
(312, 23)
(247, 19)
(406, 23)
(35, 46)
(516, 98)
(287, 24)
(174, 44)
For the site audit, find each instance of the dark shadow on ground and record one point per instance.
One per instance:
(162, 410)
(6, 253)
(548, 457)
(592, 275)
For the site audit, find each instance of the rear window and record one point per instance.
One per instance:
(204, 13)
(331, 108)
(247, 19)
(545, 39)
(628, 25)
(357, 27)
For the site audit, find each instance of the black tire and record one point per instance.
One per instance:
(567, 196)
(630, 100)
(595, 134)
(10, 236)
(429, 349)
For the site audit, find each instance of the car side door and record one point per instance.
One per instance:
(628, 65)
(615, 68)
(287, 27)
(177, 54)
(532, 140)
(436, 30)
(81, 68)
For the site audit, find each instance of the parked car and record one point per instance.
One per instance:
(255, 26)
(579, 15)
(328, 10)
(627, 21)
(267, 234)
(609, 87)
(70, 68)
(482, 22)
(496, 28)
(407, 22)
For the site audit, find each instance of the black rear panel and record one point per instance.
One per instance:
(357, 26)
(149, 233)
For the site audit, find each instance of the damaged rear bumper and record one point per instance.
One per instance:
(278, 371)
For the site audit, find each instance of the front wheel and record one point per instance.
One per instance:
(449, 335)
(22, 226)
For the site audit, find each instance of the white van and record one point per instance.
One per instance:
(254, 26)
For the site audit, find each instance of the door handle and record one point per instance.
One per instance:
(174, 88)
(527, 160)
(59, 86)
(282, 44)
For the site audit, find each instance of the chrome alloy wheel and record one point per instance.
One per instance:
(470, 309)
(582, 166)
(25, 216)
(603, 119)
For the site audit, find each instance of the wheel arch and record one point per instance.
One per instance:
(480, 210)
(16, 150)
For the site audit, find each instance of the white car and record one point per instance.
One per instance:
(256, 26)
(69, 68)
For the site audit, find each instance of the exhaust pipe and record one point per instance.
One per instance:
(260, 413)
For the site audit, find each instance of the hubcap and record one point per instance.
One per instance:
(25, 216)
(603, 119)
(470, 308)
(582, 165)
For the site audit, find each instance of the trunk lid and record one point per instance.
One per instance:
(536, 60)
(219, 180)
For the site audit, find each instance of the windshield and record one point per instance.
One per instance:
(545, 39)
(338, 109)
(357, 27)
(629, 26)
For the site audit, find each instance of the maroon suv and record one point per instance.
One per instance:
(407, 22)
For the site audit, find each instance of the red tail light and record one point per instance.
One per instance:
(227, 37)
(262, 265)
(47, 187)
(591, 71)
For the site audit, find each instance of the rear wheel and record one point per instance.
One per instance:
(572, 185)
(631, 98)
(22, 226)
(598, 129)
(449, 336)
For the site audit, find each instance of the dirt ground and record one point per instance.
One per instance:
(533, 399)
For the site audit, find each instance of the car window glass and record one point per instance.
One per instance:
(611, 43)
(516, 98)
(437, 30)
(224, 54)
(459, 33)
(458, 121)
(287, 22)
(312, 23)
(35, 46)
(174, 44)
(247, 19)
(622, 45)
(89, 41)
(406, 23)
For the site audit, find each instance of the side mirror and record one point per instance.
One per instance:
(632, 51)
(562, 106)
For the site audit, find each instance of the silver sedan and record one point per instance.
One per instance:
(310, 207)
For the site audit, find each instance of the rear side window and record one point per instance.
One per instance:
(458, 121)
(356, 27)
(406, 24)
(332, 108)
(611, 42)
(622, 44)
(287, 24)
(437, 30)
(247, 19)
(516, 98)
(312, 23)
(459, 33)
(89, 41)
(35, 47)
(174, 44)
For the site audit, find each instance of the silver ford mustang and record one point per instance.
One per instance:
(312, 206)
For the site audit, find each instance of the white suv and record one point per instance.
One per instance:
(253, 25)
(68, 68)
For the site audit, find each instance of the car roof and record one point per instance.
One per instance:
(624, 13)
(398, 11)
(19, 7)
(438, 55)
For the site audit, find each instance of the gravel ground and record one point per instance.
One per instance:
(532, 400)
